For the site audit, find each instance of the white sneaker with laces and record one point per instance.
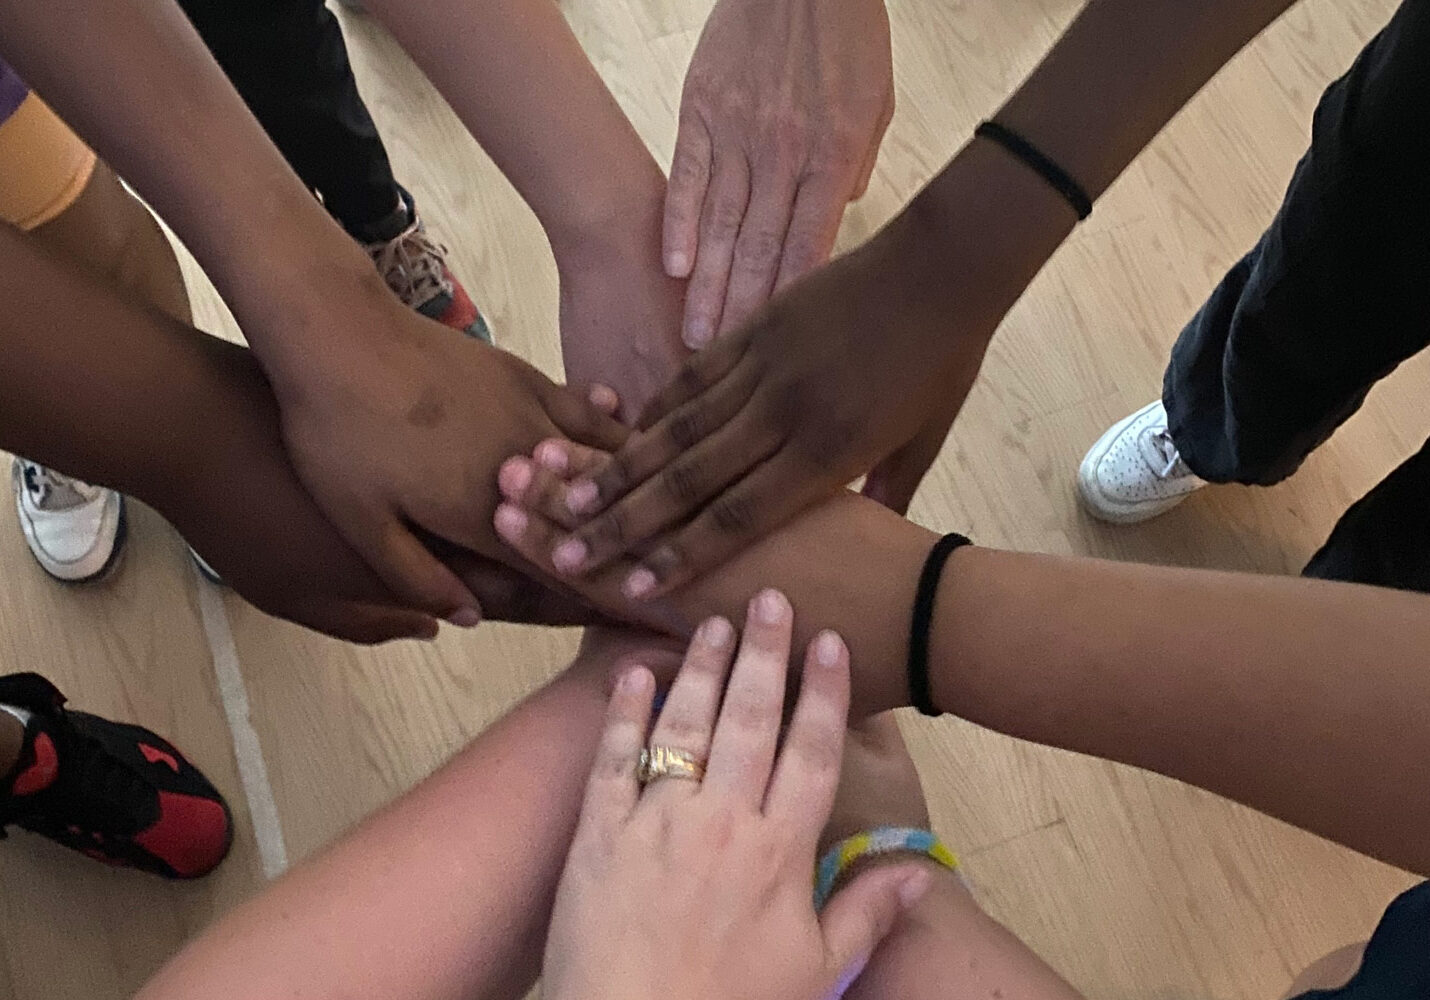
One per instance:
(1134, 471)
(75, 531)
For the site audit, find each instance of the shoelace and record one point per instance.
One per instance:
(413, 265)
(1166, 449)
(53, 491)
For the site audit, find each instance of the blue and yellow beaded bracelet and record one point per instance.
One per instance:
(871, 843)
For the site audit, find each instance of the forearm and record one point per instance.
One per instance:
(122, 427)
(137, 82)
(519, 80)
(443, 895)
(981, 230)
(1119, 74)
(1301, 698)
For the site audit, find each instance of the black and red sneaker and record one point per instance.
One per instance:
(114, 792)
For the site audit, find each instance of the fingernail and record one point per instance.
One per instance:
(511, 521)
(770, 607)
(632, 681)
(717, 632)
(638, 584)
(827, 648)
(551, 456)
(465, 618)
(581, 497)
(569, 555)
(677, 264)
(697, 334)
(515, 477)
(913, 888)
(604, 398)
(846, 980)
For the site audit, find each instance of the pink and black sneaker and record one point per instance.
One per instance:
(114, 792)
(415, 267)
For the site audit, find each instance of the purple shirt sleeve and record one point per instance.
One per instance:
(12, 92)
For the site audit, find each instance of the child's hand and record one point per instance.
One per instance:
(238, 500)
(701, 886)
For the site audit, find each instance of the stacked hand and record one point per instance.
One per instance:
(702, 888)
(237, 498)
(398, 440)
(785, 104)
(860, 367)
(848, 370)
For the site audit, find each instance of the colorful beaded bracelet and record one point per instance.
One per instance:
(884, 840)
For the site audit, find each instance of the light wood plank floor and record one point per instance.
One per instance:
(1132, 885)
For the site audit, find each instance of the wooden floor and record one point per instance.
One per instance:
(1133, 886)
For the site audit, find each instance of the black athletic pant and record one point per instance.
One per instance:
(1332, 298)
(288, 60)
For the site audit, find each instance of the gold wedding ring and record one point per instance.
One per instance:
(668, 762)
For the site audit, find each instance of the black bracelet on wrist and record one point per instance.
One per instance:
(918, 669)
(1058, 178)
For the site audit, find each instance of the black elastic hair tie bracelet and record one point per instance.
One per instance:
(1060, 180)
(919, 628)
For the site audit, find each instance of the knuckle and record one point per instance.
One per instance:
(668, 562)
(748, 713)
(733, 514)
(684, 482)
(725, 216)
(687, 427)
(618, 476)
(691, 379)
(759, 249)
(611, 527)
(686, 731)
(800, 253)
(688, 167)
(821, 750)
(615, 764)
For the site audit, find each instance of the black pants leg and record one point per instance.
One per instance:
(288, 61)
(1332, 298)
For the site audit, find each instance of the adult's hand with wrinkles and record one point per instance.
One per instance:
(785, 105)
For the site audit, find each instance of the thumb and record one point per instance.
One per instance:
(895, 480)
(864, 912)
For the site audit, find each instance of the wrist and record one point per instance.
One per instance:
(331, 314)
(976, 236)
(622, 217)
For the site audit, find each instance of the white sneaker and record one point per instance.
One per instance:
(1134, 471)
(75, 531)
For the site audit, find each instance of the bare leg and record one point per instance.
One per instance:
(945, 948)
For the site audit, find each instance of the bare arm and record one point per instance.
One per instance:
(519, 80)
(137, 82)
(1301, 698)
(443, 895)
(377, 406)
(785, 409)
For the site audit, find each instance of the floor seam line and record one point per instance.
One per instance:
(247, 748)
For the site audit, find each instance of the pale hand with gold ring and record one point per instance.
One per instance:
(669, 762)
